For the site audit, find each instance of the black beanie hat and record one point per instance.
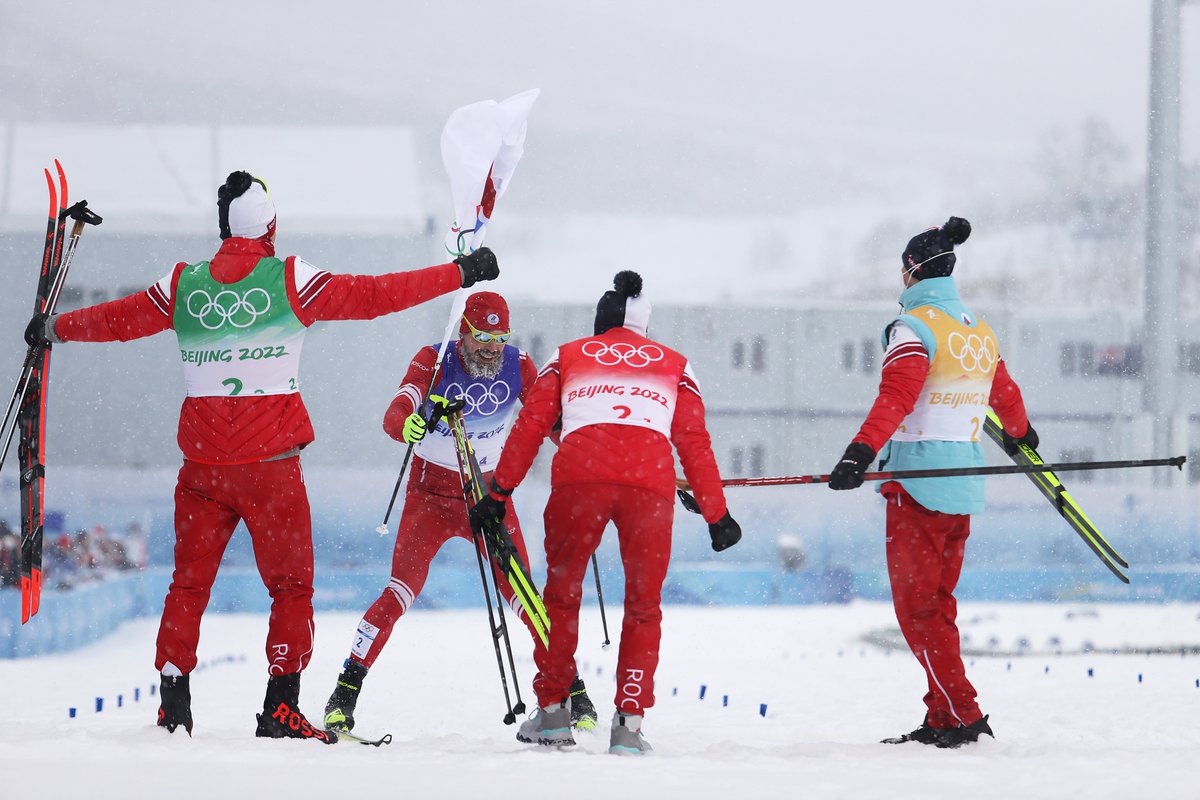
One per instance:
(930, 254)
(610, 311)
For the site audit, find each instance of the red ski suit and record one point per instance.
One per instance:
(434, 512)
(623, 400)
(241, 459)
(924, 547)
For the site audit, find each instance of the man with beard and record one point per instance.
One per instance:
(492, 376)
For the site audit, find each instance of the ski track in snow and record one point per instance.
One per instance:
(830, 697)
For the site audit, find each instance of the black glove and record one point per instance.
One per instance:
(1012, 444)
(35, 331)
(725, 533)
(848, 474)
(478, 266)
(488, 510)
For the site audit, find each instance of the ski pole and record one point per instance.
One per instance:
(955, 472)
(600, 595)
(473, 492)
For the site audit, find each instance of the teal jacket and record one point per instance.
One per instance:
(948, 495)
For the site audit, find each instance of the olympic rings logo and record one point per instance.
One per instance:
(609, 355)
(481, 398)
(240, 311)
(974, 353)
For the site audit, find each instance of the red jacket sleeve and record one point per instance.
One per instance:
(542, 408)
(412, 391)
(334, 297)
(529, 374)
(690, 435)
(1007, 402)
(132, 317)
(899, 388)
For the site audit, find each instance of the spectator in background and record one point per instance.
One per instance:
(10, 556)
(60, 564)
(137, 547)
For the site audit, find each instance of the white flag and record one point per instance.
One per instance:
(481, 145)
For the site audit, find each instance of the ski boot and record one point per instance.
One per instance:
(923, 734)
(626, 738)
(964, 734)
(549, 725)
(281, 719)
(583, 713)
(339, 711)
(175, 703)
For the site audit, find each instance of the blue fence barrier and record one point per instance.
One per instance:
(80, 616)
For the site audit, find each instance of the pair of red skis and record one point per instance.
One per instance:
(29, 397)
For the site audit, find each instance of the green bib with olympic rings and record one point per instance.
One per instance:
(238, 339)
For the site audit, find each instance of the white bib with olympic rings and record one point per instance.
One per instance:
(238, 339)
(619, 378)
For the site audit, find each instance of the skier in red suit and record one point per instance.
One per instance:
(622, 399)
(942, 369)
(240, 319)
(492, 376)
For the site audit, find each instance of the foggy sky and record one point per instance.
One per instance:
(750, 108)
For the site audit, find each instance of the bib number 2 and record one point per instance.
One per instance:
(235, 386)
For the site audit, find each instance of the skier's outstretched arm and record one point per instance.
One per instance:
(321, 295)
(133, 317)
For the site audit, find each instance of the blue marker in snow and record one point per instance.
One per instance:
(762, 707)
(99, 704)
(703, 689)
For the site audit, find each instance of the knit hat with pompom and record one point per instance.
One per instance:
(930, 254)
(244, 207)
(624, 306)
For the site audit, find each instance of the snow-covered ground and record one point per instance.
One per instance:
(1093, 725)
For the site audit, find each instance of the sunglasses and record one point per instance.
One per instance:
(483, 337)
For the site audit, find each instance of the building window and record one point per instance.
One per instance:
(739, 354)
(70, 298)
(758, 459)
(758, 354)
(869, 346)
(1189, 358)
(1087, 358)
(1066, 358)
(848, 356)
(536, 343)
(1076, 455)
(736, 462)
(1193, 472)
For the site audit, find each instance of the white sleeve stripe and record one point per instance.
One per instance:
(907, 347)
(159, 301)
(551, 367)
(410, 393)
(309, 282)
(314, 291)
(897, 356)
(692, 389)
